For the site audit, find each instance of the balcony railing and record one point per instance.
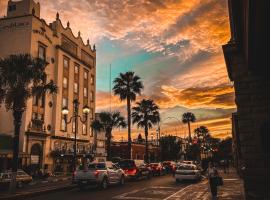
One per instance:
(36, 125)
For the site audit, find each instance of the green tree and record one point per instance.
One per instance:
(127, 86)
(21, 78)
(170, 147)
(187, 118)
(108, 121)
(145, 114)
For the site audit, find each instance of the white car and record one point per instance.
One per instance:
(101, 174)
(187, 172)
(22, 177)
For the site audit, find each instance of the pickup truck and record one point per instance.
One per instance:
(100, 174)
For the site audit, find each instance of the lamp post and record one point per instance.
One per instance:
(75, 117)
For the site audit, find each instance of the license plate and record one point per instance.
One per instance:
(84, 182)
(144, 172)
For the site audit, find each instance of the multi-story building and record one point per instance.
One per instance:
(46, 141)
(247, 60)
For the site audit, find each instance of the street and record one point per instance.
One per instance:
(157, 188)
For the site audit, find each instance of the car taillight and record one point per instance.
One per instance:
(96, 173)
(74, 173)
(132, 171)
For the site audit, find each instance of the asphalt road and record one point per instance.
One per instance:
(157, 188)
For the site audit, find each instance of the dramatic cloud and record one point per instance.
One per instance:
(173, 45)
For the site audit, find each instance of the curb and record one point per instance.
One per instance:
(36, 193)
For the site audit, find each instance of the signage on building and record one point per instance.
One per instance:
(34, 159)
(42, 33)
(14, 25)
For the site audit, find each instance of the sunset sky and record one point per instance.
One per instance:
(173, 45)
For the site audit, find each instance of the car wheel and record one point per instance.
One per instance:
(122, 180)
(104, 184)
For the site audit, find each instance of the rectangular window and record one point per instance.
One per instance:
(84, 129)
(85, 75)
(92, 80)
(35, 101)
(85, 93)
(34, 116)
(65, 82)
(63, 125)
(66, 62)
(65, 102)
(76, 69)
(91, 96)
(76, 88)
(41, 52)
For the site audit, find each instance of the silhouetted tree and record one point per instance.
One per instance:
(127, 86)
(145, 114)
(21, 77)
(108, 121)
(187, 118)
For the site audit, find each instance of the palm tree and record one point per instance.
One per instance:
(187, 118)
(145, 114)
(107, 122)
(21, 77)
(127, 86)
(96, 127)
(202, 134)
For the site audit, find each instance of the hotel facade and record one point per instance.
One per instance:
(46, 141)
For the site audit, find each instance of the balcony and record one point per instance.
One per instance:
(36, 125)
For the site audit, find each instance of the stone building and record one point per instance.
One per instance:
(45, 140)
(247, 61)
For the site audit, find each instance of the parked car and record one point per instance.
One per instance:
(135, 169)
(187, 172)
(157, 169)
(170, 166)
(190, 162)
(100, 174)
(21, 178)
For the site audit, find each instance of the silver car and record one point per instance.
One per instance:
(100, 174)
(187, 172)
(22, 177)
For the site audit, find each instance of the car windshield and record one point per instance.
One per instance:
(97, 166)
(126, 164)
(186, 167)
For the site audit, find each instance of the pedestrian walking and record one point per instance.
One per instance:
(212, 173)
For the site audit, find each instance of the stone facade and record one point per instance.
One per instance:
(249, 72)
(45, 138)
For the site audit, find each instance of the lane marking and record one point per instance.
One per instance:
(178, 192)
(125, 195)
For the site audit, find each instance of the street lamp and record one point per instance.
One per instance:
(75, 117)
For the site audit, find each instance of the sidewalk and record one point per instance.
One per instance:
(39, 187)
(232, 189)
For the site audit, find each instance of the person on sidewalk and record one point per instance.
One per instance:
(212, 174)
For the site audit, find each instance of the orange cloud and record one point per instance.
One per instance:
(221, 96)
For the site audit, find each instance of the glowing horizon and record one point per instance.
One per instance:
(174, 46)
